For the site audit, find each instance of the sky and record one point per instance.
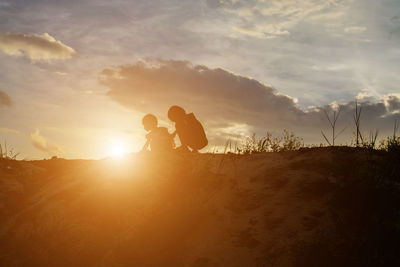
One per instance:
(78, 76)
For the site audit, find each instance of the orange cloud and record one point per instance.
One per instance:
(5, 100)
(35, 47)
(41, 143)
(154, 85)
(7, 130)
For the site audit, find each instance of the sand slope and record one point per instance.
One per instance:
(315, 207)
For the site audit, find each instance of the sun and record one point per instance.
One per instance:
(117, 150)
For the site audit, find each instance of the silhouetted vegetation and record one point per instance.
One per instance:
(392, 143)
(7, 152)
(287, 142)
(332, 122)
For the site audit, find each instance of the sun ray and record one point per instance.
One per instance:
(117, 149)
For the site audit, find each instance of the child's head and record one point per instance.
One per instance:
(149, 122)
(176, 113)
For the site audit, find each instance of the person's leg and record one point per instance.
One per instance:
(183, 149)
(184, 138)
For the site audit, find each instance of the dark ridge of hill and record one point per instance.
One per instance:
(315, 207)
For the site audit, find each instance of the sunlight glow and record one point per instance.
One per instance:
(117, 150)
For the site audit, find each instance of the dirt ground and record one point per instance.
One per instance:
(313, 207)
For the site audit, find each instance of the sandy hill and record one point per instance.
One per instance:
(313, 207)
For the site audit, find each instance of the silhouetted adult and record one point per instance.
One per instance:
(190, 131)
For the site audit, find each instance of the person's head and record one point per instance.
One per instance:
(149, 122)
(176, 113)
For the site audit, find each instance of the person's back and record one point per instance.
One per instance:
(160, 140)
(189, 129)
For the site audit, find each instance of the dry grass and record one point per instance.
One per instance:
(287, 142)
(7, 152)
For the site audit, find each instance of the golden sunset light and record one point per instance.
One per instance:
(199, 133)
(117, 149)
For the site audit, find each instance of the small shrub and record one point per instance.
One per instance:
(369, 143)
(291, 142)
(391, 144)
(7, 153)
(288, 142)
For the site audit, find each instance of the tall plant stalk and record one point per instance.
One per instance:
(357, 121)
(332, 121)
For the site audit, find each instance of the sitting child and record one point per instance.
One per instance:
(189, 129)
(158, 138)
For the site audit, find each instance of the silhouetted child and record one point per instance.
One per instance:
(158, 138)
(189, 129)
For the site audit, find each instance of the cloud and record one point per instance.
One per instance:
(254, 32)
(392, 103)
(41, 143)
(228, 103)
(274, 18)
(35, 47)
(214, 93)
(265, 31)
(60, 73)
(7, 130)
(355, 29)
(332, 67)
(365, 96)
(5, 100)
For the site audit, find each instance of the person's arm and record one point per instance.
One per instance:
(146, 145)
(172, 136)
(181, 131)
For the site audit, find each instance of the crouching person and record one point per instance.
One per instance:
(189, 130)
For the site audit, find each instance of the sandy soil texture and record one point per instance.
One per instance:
(314, 207)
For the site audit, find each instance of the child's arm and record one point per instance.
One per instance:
(147, 143)
(172, 136)
(172, 140)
